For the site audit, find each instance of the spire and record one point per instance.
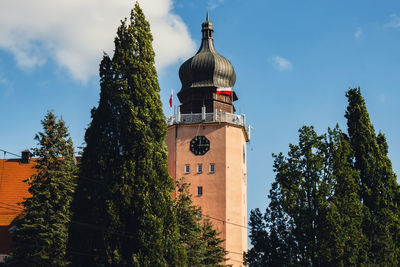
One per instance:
(207, 28)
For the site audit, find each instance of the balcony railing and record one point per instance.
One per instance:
(217, 116)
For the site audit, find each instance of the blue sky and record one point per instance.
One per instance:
(294, 61)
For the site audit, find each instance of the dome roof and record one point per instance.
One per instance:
(207, 68)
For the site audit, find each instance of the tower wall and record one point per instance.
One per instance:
(224, 191)
(207, 81)
(236, 206)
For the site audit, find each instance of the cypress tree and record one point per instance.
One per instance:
(293, 229)
(379, 189)
(315, 214)
(41, 235)
(334, 202)
(123, 210)
(304, 187)
(345, 244)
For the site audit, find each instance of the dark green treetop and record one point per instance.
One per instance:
(379, 189)
(334, 202)
(345, 243)
(214, 253)
(293, 229)
(41, 235)
(315, 213)
(123, 210)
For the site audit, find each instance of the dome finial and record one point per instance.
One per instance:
(207, 28)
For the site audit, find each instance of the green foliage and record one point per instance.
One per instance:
(200, 239)
(41, 235)
(123, 210)
(189, 221)
(379, 188)
(334, 201)
(214, 252)
(346, 243)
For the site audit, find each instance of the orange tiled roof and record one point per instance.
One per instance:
(12, 188)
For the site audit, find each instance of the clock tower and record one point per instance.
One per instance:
(207, 144)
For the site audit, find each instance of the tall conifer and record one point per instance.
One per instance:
(215, 253)
(345, 244)
(294, 228)
(334, 202)
(379, 188)
(41, 235)
(315, 214)
(124, 214)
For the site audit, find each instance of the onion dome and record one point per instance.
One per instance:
(207, 68)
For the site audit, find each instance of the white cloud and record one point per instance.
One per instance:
(213, 4)
(394, 21)
(358, 33)
(75, 33)
(281, 63)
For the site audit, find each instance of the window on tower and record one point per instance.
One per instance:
(199, 191)
(187, 168)
(244, 155)
(212, 167)
(199, 168)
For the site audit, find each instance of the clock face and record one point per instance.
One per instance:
(199, 145)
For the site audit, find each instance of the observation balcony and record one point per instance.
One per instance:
(215, 117)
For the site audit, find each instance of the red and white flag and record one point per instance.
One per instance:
(224, 91)
(170, 99)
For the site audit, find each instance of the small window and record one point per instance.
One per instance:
(200, 214)
(199, 168)
(212, 168)
(199, 191)
(187, 168)
(244, 155)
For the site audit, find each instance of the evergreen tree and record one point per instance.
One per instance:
(41, 235)
(315, 214)
(123, 210)
(345, 243)
(379, 188)
(334, 202)
(294, 224)
(214, 252)
(261, 252)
